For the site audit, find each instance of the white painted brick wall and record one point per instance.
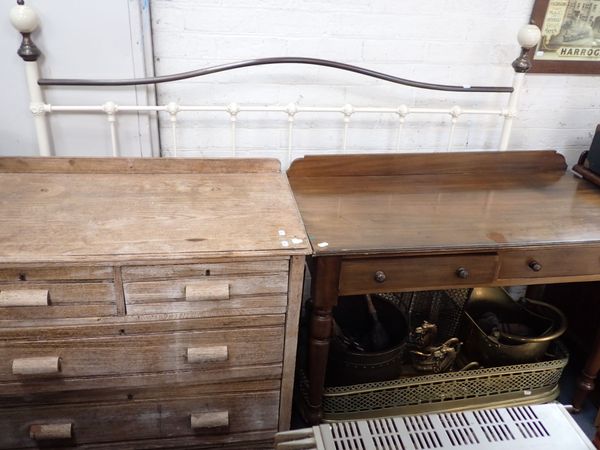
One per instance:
(442, 41)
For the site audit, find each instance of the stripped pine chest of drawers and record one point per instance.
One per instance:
(147, 303)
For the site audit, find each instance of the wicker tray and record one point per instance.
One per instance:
(490, 387)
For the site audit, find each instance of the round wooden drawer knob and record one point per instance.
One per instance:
(380, 276)
(534, 265)
(463, 273)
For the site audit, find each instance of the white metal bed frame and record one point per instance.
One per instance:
(25, 20)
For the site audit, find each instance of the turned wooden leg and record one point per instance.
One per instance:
(596, 440)
(320, 332)
(324, 294)
(585, 383)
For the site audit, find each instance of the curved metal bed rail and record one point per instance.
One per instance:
(269, 61)
(25, 20)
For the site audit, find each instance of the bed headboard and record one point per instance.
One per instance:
(25, 21)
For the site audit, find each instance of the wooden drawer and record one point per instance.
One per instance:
(213, 355)
(224, 416)
(550, 263)
(210, 296)
(416, 273)
(136, 273)
(54, 300)
(58, 273)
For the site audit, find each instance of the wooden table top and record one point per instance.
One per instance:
(89, 209)
(423, 203)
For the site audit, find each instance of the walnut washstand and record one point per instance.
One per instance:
(381, 223)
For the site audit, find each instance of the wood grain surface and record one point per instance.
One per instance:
(32, 390)
(171, 318)
(568, 261)
(128, 355)
(498, 200)
(65, 300)
(61, 273)
(69, 329)
(153, 291)
(415, 272)
(380, 223)
(158, 418)
(145, 323)
(116, 217)
(139, 165)
(67, 293)
(425, 164)
(237, 306)
(147, 272)
(296, 279)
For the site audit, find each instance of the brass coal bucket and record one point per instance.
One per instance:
(498, 330)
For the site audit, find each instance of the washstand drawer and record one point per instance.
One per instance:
(210, 295)
(555, 262)
(388, 274)
(56, 300)
(218, 415)
(213, 355)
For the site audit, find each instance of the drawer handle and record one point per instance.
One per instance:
(207, 354)
(534, 265)
(206, 291)
(213, 419)
(380, 276)
(42, 365)
(49, 431)
(463, 273)
(25, 297)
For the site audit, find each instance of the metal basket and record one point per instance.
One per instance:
(442, 307)
(491, 387)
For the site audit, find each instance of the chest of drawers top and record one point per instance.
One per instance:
(100, 210)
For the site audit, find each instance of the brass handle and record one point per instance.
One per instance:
(207, 354)
(24, 297)
(534, 265)
(380, 276)
(42, 365)
(50, 431)
(207, 290)
(463, 273)
(213, 419)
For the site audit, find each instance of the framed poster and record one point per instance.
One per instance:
(570, 40)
